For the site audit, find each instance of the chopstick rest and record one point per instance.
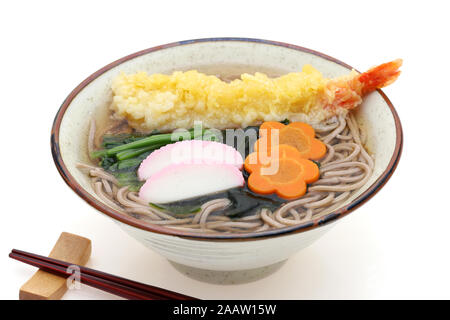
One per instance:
(46, 286)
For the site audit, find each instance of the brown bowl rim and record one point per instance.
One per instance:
(318, 222)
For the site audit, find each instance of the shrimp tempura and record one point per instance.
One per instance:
(168, 102)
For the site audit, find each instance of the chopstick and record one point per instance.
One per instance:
(122, 287)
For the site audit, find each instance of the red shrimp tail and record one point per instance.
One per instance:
(380, 76)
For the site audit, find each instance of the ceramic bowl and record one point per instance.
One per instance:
(227, 57)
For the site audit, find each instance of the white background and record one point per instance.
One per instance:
(395, 246)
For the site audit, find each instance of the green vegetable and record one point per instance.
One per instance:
(151, 141)
(154, 141)
(129, 179)
(132, 153)
(111, 141)
(115, 146)
(128, 163)
(107, 162)
(177, 208)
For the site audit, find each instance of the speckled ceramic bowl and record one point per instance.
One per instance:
(228, 57)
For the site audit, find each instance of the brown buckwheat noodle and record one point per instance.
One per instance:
(345, 168)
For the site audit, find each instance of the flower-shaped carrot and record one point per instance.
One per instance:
(286, 172)
(297, 134)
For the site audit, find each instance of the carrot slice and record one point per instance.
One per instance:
(297, 134)
(267, 135)
(285, 172)
(292, 191)
(259, 184)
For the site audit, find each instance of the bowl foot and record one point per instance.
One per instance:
(227, 277)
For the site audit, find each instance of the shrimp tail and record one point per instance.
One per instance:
(380, 76)
(347, 91)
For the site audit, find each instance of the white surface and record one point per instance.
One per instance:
(395, 246)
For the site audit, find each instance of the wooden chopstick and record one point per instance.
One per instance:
(163, 293)
(104, 281)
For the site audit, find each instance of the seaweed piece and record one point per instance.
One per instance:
(317, 163)
(243, 202)
(177, 209)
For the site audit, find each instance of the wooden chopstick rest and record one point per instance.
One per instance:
(46, 286)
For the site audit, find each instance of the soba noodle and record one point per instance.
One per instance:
(345, 168)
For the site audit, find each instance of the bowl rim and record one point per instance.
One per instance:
(116, 215)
